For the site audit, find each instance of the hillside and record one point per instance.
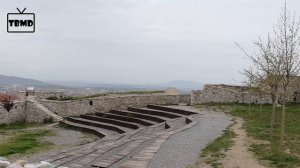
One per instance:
(13, 81)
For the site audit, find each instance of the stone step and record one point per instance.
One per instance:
(172, 110)
(125, 118)
(125, 152)
(84, 127)
(153, 112)
(137, 115)
(110, 121)
(96, 124)
(107, 162)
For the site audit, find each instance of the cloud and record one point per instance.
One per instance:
(130, 41)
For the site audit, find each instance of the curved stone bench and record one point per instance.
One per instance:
(83, 127)
(110, 121)
(153, 112)
(137, 115)
(96, 124)
(125, 118)
(172, 110)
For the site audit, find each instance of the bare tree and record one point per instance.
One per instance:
(287, 49)
(268, 72)
(256, 82)
(252, 81)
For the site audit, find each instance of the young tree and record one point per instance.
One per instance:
(255, 82)
(268, 72)
(7, 100)
(287, 49)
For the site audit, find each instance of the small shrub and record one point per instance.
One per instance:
(52, 98)
(48, 120)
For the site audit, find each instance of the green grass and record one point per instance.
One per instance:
(16, 126)
(214, 152)
(257, 125)
(101, 94)
(20, 141)
(24, 142)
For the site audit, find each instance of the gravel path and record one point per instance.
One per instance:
(183, 148)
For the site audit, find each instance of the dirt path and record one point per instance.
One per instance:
(239, 156)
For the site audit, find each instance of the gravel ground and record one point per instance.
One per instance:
(183, 148)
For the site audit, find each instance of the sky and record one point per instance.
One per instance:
(136, 41)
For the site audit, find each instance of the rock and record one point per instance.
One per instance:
(21, 162)
(15, 165)
(18, 164)
(45, 164)
(4, 164)
(3, 158)
(29, 166)
(62, 167)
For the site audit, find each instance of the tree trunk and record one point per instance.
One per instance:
(260, 103)
(273, 116)
(282, 130)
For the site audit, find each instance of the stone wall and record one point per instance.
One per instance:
(185, 98)
(27, 110)
(14, 115)
(226, 94)
(23, 111)
(106, 103)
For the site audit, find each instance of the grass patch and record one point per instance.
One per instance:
(24, 142)
(257, 125)
(16, 126)
(66, 98)
(17, 140)
(215, 151)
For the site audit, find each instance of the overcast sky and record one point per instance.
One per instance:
(136, 41)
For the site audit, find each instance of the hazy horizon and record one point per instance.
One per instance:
(136, 41)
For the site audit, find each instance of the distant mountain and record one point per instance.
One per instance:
(183, 86)
(99, 86)
(13, 81)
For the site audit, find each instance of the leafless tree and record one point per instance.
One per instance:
(287, 49)
(255, 83)
(268, 72)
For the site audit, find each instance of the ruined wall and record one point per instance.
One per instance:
(185, 98)
(225, 94)
(14, 115)
(23, 111)
(29, 112)
(106, 103)
(297, 96)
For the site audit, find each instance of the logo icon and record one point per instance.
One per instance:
(21, 22)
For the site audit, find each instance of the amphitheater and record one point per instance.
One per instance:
(135, 130)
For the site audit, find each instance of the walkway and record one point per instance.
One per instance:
(183, 148)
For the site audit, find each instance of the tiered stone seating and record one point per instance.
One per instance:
(122, 132)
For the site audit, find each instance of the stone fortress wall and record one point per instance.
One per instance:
(234, 94)
(23, 111)
(29, 111)
(105, 103)
(34, 111)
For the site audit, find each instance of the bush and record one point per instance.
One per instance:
(48, 120)
(51, 98)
